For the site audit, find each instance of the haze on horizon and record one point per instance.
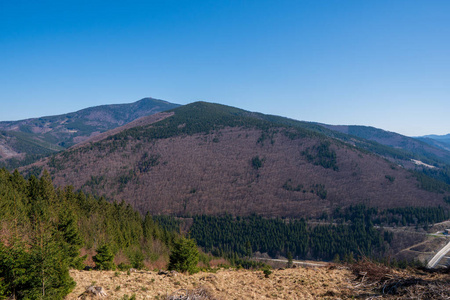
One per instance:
(376, 63)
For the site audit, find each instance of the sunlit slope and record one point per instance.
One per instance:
(214, 159)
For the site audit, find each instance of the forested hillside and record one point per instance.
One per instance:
(440, 141)
(212, 159)
(346, 234)
(45, 230)
(402, 148)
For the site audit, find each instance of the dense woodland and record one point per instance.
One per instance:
(43, 230)
(345, 235)
(280, 237)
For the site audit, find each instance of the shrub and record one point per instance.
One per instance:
(267, 272)
(390, 178)
(124, 267)
(257, 162)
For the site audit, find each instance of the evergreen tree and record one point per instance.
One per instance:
(43, 230)
(49, 270)
(71, 240)
(48, 265)
(184, 256)
(248, 249)
(336, 258)
(104, 260)
(290, 262)
(13, 269)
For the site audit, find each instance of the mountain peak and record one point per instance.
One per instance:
(31, 138)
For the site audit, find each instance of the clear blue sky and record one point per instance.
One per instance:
(368, 62)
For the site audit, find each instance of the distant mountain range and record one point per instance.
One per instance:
(24, 141)
(439, 141)
(205, 158)
(429, 148)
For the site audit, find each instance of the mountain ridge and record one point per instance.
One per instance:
(214, 159)
(46, 135)
(421, 149)
(440, 141)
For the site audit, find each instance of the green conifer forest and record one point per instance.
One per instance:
(43, 230)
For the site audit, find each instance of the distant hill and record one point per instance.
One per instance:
(440, 141)
(420, 149)
(206, 158)
(25, 140)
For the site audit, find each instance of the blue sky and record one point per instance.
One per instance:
(377, 63)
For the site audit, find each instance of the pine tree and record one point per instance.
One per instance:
(49, 268)
(184, 256)
(71, 240)
(48, 265)
(13, 269)
(248, 249)
(104, 260)
(290, 262)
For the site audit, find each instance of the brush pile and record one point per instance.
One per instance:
(375, 280)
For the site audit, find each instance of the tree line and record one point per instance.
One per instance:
(243, 235)
(346, 234)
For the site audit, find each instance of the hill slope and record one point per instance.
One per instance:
(440, 141)
(415, 148)
(25, 139)
(213, 159)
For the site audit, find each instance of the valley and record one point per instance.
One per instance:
(235, 186)
(215, 150)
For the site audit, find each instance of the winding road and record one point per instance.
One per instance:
(434, 261)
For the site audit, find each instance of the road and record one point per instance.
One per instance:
(433, 262)
(303, 263)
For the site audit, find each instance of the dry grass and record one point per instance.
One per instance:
(362, 280)
(298, 283)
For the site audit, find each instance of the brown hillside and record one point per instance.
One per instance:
(237, 170)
